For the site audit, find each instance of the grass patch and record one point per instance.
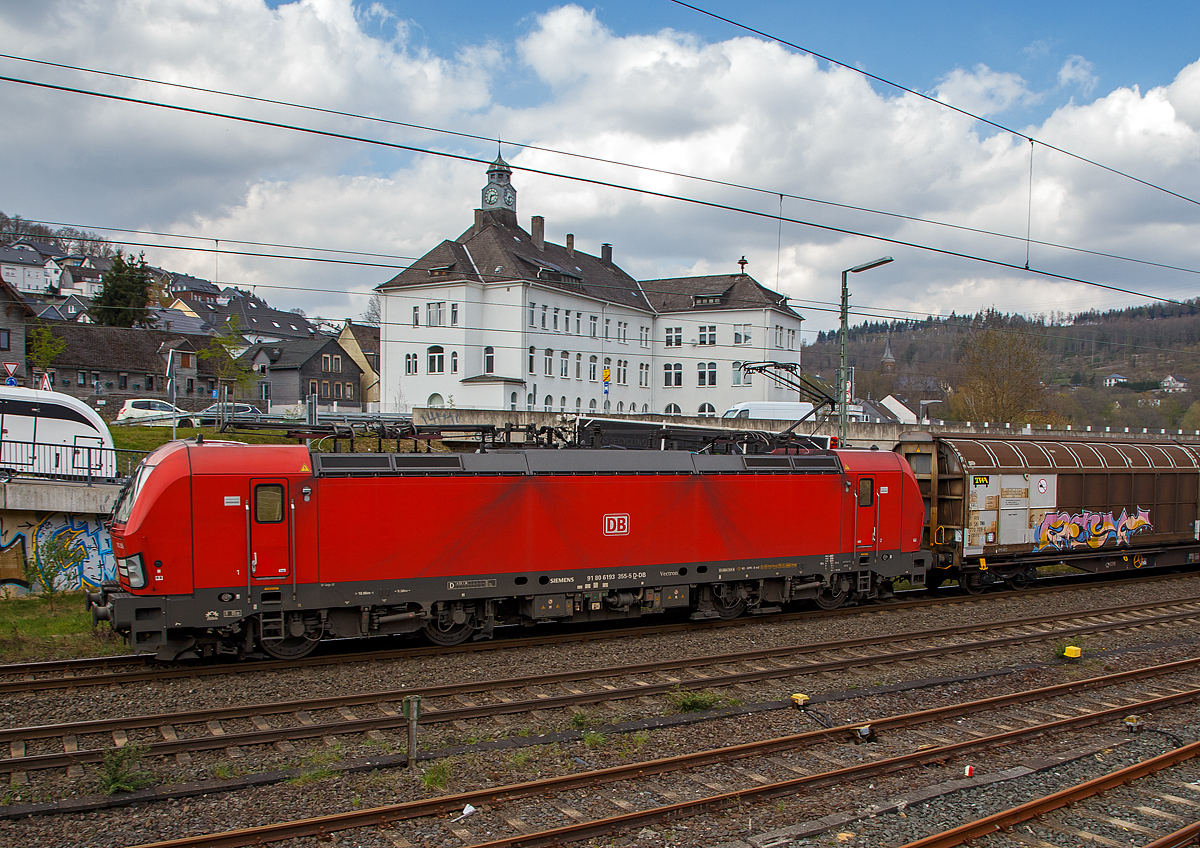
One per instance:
(594, 738)
(30, 632)
(581, 720)
(312, 776)
(693, 702)
(521, 758)
(122, 770)
(438, 775)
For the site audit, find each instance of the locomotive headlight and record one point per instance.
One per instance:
(133, 570)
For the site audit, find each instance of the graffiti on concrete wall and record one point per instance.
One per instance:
(1062, 531)
(23, 533)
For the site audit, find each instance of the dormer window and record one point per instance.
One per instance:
(707, 300)
(441, 270)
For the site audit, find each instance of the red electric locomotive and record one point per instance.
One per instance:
(240, 549)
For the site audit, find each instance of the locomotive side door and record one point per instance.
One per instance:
(866, 514)
(270, 520)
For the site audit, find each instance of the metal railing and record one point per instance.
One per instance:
(58, 461)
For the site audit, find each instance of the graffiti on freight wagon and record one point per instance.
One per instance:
(1061, 531)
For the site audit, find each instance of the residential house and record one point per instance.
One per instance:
(1173, 385)
(501, 318)
(14, 313)
(361, 341)
(26, 270)
(104, 365)
(254, 320)
(1114, 380)
(289, 371)
(192, 288)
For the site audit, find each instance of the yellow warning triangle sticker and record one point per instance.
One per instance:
(304, 468)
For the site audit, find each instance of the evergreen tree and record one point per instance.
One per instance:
(123, 300)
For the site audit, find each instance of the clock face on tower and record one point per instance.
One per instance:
(510, 197)
(491, 195)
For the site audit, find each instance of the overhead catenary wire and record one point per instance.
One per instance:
(599, 160)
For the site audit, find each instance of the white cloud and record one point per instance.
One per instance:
(983, 91)
(1077, 71)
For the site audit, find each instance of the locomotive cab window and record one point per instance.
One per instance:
(268, 503)
(866, 492)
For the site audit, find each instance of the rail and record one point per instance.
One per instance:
(59, 461)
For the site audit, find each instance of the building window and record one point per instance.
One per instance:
(620, 407)
(594, 319)
(623, 372)
(337, 391)
(623, 332)
(185, 360)
(578, 404)
(562, 404)
(149, 382)
(592, 369)
(643, 374)
(123, 381)
(83, 378)
(549, 404)
(410, 363)
(708, 334)
(435, 401)
(416, 316)
(607, 328)
(312, 387)
(529, 401)
(673, 374)
(512, 402)
(741, 334)
(707, 374)
(437, 359)
(791, 339)
(644, 336)
(532, 314)
(337, 364)
(579, 366)
(489, 362)
(555, 319)
(532, 357)
(578, 319)
(674, 336)
(607, 407)
(673, 409)
(191, 385)
(566, 320)
(264, 391)
(5, 340)
(564, 365)
(549, 361)
(454, 315)
(592, 405)
(435, 314)
(707, 411)
(325, 362)
(349, 391)
(545, 312)
(324, 388)
(779, 336)
(454, 362)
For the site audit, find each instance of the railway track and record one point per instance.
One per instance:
(1149, 806)
(34, 749)
(105, 671)
(713, 780)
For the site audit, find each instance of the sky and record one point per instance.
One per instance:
(716, 120)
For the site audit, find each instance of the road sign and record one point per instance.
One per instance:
(11, 368)
(45, 384)
(11, 381)
(607, 373)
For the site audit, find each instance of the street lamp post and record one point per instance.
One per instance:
(843, 387)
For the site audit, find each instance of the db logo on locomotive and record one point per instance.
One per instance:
(616, 525)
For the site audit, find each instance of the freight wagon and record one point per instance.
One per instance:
(998, 508)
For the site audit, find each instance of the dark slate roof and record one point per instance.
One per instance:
(18, 256)
(294, 353)
(96, 346)
(186, 282)
(50, 313)
(176, 321)
(253, 315)
(498, 249)
(367, 336)
(45, 249)
(723, 291)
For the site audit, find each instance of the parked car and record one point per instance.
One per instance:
(209, 416)
(151, 411)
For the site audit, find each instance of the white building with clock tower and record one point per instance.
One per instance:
(500, 318)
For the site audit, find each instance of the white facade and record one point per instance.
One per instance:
(32, 277)
(518, 345)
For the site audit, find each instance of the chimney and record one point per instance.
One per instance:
(478, 222)
(606, 253)
(538, 225)
(571, 244)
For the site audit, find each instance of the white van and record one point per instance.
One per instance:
(53, 434)
(764, 410)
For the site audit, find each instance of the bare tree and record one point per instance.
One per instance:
(1003, 376)
(371, 315)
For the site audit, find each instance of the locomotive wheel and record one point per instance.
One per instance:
(830, 600)
(291, 648)
(448, 634)
(1021, 580)
(727, 605)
